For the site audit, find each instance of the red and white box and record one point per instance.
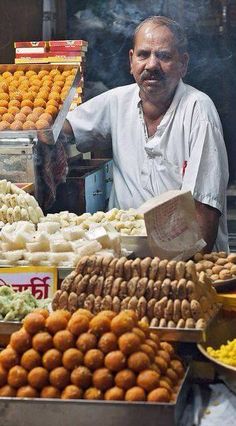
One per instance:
(31, 44)
(68, 44)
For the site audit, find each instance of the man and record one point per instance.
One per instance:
(164, 134)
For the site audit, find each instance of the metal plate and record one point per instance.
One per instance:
(224, 285)
(90, 413)
(192, 335)
(9, 327)
(50, 135)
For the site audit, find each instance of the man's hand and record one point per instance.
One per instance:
(67, 129)
(208, 219)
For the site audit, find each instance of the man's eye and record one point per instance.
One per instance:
(142, 54)
(164, 56)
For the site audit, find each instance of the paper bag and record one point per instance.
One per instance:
(172, 228)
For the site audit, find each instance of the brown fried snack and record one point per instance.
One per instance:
(81, 377)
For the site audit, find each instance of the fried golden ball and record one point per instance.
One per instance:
(164, 355)
(164, 384)
(152, 344)
(27, 392)
(28, 96)
(42, 73)
(114, 394)
(172, 375)
(41, 124)
(8, 358)
(56, 322)
(52, 359)
(135, 394)
(20, 117)
(54, 95)
(34, 322)
(42, 311)
(31, 359)
(32, 118)
(81, 377)
(3, 110)
(47, 117)
(28, 103)
(30, 73)
(161, 363)
(6, 74)
(56, 88)
(3, 376)
(108, 342)
(129, 343)
(4, 96)
(93, 393)
(121, 324)
(148, 380)
(65, 313)
(39, 102)
(16, 96)
(63, 340)
(16, 125)
(115, 361)
(29, 125)
(17, 376)
(125, 379)
(13, 110)
(149, 351)
(167, 347)
(52, 102)
(3, 87)
(72, 392)
(38, 377)
(94, 359)
(159, 395)
(18, 73)
(85, 312)
(72, 358)
(7, 391)
(177, 366)
(14, 102)
(100, 325)
(20, 341)
(138, 361)
(103, 379)
(3, 103)
(50, 109)
(59, 377)
(26, 110)
(50, 392)
(86, 341)
(42, 341)
(8, 117)
(4, 125)
(78, 324)
(155, 338)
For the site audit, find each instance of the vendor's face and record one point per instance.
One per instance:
(156, 63)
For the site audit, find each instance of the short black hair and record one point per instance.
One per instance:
(177, 31)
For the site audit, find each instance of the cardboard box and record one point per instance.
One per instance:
(32, 55)
(67, 43)
(30, 50)
(41, 43)
(68, 48)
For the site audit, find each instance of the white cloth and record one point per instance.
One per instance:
(186, 152)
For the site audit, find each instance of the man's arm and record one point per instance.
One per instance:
(67, 129)
(208, 219)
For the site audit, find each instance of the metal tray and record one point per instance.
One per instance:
(225, 285)
(188, 335)
(9, 327)
(138, 244)
(51, 412)
(50, 135)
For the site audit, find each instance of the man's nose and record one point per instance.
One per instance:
(152, 62)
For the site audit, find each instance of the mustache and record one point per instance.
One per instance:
(154, 75)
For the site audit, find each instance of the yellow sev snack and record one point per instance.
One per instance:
(225, 354)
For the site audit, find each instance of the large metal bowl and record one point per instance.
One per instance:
(219, 332)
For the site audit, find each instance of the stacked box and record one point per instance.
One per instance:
(55, 52)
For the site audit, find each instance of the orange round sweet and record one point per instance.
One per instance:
(6, 74)
(122, 323)
(39, 102)
(86, 341)
(148, 350)
(4, 125)
(100, 324)
(94, 359)
(59, 83)
(38, 110)
(54, 95)
(18, 73)
(47, 117)
(53, 103)
(42, 341)
(22, 78)
(78, 324)
(3, 103)
(34, 322)
(50, 392)
(42, 311)
(34, 90)
(81, 377)
(139, 333)
(20, 341)
(114, 394)
(38, 377)
(15, 103)
(3, 376)
(161, 363)
(3, 110)
(28, 96)
(34, 81)
(30, 73)
(108, 342)
(29, 125)
(26, 110)
(164, 354)
(66, 73)
(4, 96)
(129, 343)
(125, 379)
(13, 110)
(103, 379)
(135, 394)
(16, 125)
(13, 85)
(138, 361)
(43, 94)
(3, 87)
(7, 391)
(56, 321)
(54, 72)
(52, 359)
(93, 393)
(8, 117)
(72, 392)
(16, 96)
(59, 77)
(59, 377)
(41, 124)
(159, 395)
(50, 109)
(17, 376)
(148, 380)
(63, 340)
(28, 103)
(42, 73)
(20, 117)
(46, 78)
(27, 392)
(32, 118)
(72, 358)
(30, 359)
(115, 361)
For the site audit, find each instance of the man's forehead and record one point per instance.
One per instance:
(154, 33)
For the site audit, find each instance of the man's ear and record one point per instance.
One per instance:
(131, 52)
(184, 64)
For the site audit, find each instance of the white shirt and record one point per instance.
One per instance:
(186, 152)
